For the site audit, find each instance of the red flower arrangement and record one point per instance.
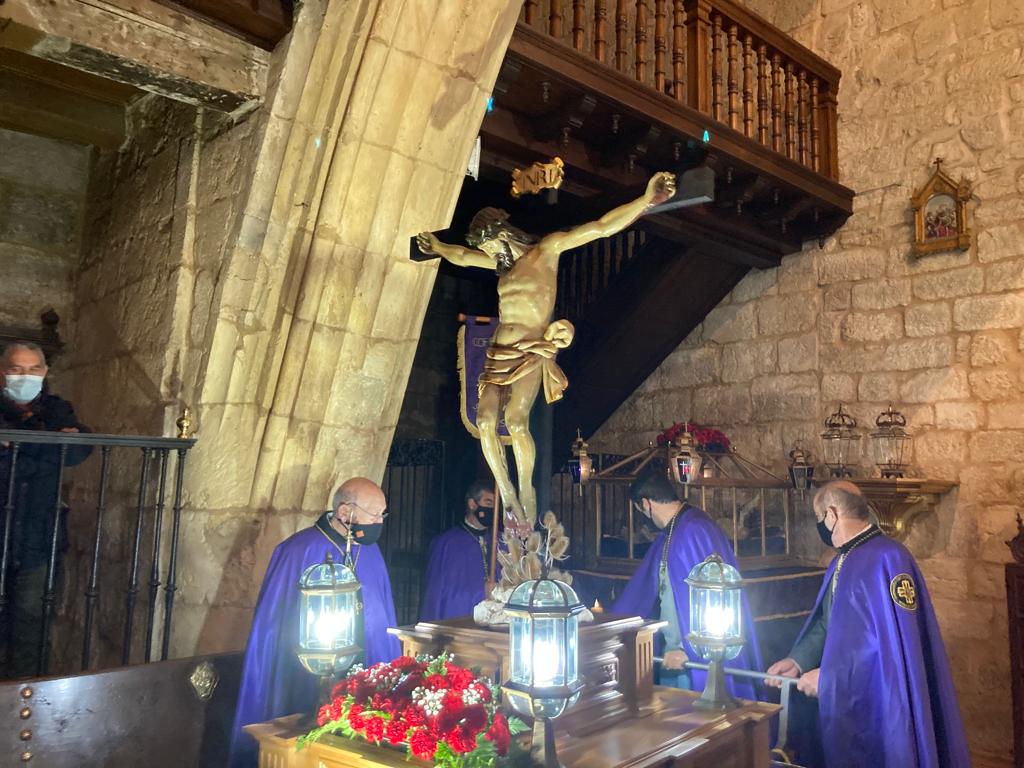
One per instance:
(440, 712)
(705, 438)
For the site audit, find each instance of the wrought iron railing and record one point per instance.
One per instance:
(161, 559)
(714, 56)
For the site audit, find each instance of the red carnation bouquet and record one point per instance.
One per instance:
(439, 712)
(706, 438)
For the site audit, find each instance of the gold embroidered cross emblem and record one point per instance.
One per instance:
(903, 592)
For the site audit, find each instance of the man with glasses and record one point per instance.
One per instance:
(274, 683)
(658, 589)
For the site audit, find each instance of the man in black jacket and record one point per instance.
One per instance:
(27, 404)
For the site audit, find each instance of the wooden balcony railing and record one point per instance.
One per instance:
(713, 56)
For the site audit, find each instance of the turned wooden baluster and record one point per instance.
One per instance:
(790, 113)
(734, 66)
(530, 12)
(600, 28)
(763, 134)
(829, 126)
(641, 41)
(698, 14)
(678, 51)
(577, 24)
(815, 137)
(716, 66)
(734, 77)
(660, 44)
(555, 19)
(803, 120)
(621, 24)
(749, 84)
(776, 102)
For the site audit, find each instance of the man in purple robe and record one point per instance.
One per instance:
(274, 683)
(658, 589)
(871, 651)
(460, 560)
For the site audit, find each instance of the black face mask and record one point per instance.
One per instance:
(366, 534)
(484, 515)
(825, 532)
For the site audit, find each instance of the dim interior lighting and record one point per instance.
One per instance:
(716, 625)
(490, 103)
(581, 466)
(543, 658)
(707, 137)
(683, 460)
(838, 441)
(890, 441)
(801, 470)
(329, 618)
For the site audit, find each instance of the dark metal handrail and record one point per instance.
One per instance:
(155, 450)
(93, 438)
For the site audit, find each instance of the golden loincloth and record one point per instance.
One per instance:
(505, 365)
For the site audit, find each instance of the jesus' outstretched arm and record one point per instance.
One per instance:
(660, 188)
(456, 254)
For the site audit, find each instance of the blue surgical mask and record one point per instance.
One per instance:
(23, 388)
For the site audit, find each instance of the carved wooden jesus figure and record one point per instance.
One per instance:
(521, 357)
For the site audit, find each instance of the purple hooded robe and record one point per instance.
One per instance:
(885, 693)
(456, 572)
(694, 538)
(274, 682)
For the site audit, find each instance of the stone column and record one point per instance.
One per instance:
(314, 317)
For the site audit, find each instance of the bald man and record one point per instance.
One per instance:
(871, 652)
(274, 683)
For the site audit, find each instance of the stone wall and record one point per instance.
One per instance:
(864, 322)
(42, 201)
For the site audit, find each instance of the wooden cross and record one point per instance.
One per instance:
(937, 163)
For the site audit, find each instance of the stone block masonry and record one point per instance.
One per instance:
(941, 336)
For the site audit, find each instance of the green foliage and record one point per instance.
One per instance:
(517, 726)
(437, 665)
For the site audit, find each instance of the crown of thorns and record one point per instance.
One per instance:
(486, 225)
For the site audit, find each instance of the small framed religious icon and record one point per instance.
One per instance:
(940, 214)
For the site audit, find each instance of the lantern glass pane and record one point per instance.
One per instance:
(574, 469)
(889, 450)
(684, 467)
(548, 652)
(834, 449)
(572, 635)
(520, 651)
(328, 621)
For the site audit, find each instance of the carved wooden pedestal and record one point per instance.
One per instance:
(616, 656)
(673, 736)
(621, 719)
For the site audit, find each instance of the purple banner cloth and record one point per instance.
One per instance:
(886, 695)
(474, 339)
(696, 536)
(274, 683)
(456, 573)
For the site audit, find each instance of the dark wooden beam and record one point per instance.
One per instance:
(263, 22)
(46, 99)
(739, 239)
(143, 44)
(34, 106)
